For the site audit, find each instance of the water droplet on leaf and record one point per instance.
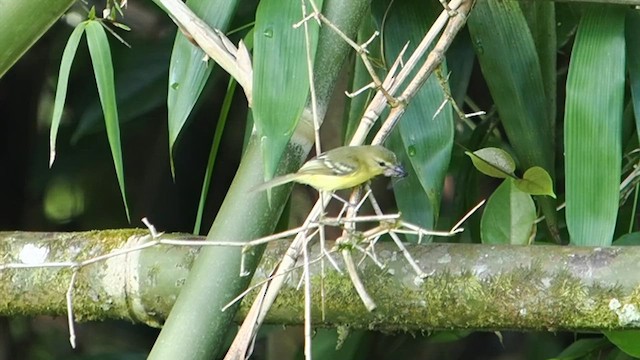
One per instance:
(479, 47)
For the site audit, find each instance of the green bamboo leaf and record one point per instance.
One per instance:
(213, 152)
(412, 200)
(627, 340)
(493, 162)
(103, 71)
(217, 137)
(536, 181)
(61, 89)
(511, 66)
(541, 17)
(426, 134)
(280, 75)
(593, 117)
(633, 61)
(189, 69)
(460, 61)
(509, 216)
(23, 23)
(141, 86)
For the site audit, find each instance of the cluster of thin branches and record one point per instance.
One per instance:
(388, 92)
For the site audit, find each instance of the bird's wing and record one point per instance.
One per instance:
(324, 166)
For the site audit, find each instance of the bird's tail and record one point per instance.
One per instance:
(277, 181)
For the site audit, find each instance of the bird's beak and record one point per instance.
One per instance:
(395, 171)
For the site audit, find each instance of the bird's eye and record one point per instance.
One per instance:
(382, 164)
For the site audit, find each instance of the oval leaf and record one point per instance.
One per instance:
(493, 162)
(509, 216)
(536, 181)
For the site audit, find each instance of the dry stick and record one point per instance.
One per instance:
(434, 59)
(240, 344)
(247, 337)
(312, 89)
(362, 51)
(348, 259)
(349, 229)
(378, 103)
(295, 247)
(448, 98)
(70, 318)
(307, 302)
(421, 274)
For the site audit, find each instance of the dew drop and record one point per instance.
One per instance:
(175, 86)
(479, 47)
(411, 150)
(268, 32)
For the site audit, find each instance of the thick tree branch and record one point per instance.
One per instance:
(470, 286)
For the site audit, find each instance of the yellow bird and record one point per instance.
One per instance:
(342, 168)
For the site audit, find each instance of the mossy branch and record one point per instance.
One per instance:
(470, 286)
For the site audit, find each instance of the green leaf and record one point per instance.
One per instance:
(412, 200)
(426, 135)
(631, 239)
(189, 71)
(280, 75)
(510, 64)
(103, 71)
(509, 216)
(213, 153)
(542, 22)
(61, 89)
(536, 181)
(593, 117)
(541, 17)
(493, 162)
(627, 340)
(141, 81)
(23, 23)
(633, 62)
(581, 348)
